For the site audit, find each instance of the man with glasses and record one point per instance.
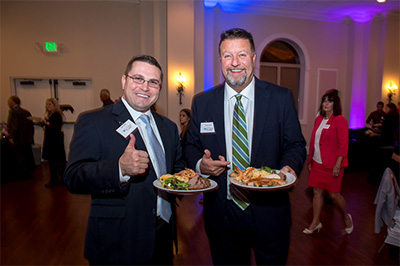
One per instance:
(116, 153)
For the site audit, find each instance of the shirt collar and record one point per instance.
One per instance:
(135, 114)
(247, 92)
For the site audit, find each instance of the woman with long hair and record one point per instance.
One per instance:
(184, 119)
(53, 144)
(328, 158)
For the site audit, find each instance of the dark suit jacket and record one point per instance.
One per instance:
(20, 128)
(277, 141)
(108, 102)
(122, 221)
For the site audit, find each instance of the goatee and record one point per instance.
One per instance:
(234, 83)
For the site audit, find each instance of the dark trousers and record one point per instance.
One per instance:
(22, 161)
(56, 168)
(163, 250)
(250, 230)
(163, 253)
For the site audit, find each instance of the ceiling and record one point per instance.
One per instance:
(326, 10)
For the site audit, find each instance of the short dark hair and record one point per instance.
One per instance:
(15, 99)
(332, 96)
(380, 103)
(392, 108)
(237, 33)
(146, 59)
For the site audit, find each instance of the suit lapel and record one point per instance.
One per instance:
(121, 113)
(121, 116)
(217, 116)
(262, 98)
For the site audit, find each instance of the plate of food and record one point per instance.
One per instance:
(263, 179)
(186, 182)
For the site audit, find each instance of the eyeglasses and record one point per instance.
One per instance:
(153, 83)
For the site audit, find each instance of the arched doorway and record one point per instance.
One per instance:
(280, 64)
(282, 60)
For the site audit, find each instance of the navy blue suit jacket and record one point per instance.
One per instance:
(277, 141)
(122, 221)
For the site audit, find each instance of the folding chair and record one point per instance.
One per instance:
(387, 208)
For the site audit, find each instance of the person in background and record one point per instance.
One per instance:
(20, 134)
(105, 97)
(390, 123)
(53, 143)
(116, 154)
(184, 119)
(374, 119)
(327, 159)
(262, 221)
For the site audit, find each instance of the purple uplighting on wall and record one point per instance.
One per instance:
(359, 15)
(361, 12)
(357, 109)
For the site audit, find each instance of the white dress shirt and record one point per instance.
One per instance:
(142, 130)
(229, 105)
(317, 151)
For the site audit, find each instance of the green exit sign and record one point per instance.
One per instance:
(51, 47)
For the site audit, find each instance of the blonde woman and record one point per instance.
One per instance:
(53, 144)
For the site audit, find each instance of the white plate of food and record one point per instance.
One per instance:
(213, 186)
(260, 180)
(186, 182)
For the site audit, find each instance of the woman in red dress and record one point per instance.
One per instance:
(327, 159)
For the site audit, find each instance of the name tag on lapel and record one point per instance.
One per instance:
(207, 128)
(327, 126)
(127, 128)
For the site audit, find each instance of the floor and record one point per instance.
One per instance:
(42, 226)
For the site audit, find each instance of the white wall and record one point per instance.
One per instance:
(330, 45)
(99, 38)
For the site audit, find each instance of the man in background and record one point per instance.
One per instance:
(375, 117)
(105, 97)
(20, 136)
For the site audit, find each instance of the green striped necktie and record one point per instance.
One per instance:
(240, 150)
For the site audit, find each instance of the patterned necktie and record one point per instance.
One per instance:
(240, 150)
(165, 211)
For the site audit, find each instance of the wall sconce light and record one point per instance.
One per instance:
(392, 90)
(180, 79)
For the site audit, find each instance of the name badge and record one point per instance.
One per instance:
(327, 126)
(127, 128)
(207, 127)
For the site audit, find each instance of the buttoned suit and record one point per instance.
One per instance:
(277, 141)
(122, 221)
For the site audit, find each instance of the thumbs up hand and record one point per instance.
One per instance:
(133, 162)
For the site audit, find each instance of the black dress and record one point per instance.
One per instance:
(53, 147)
